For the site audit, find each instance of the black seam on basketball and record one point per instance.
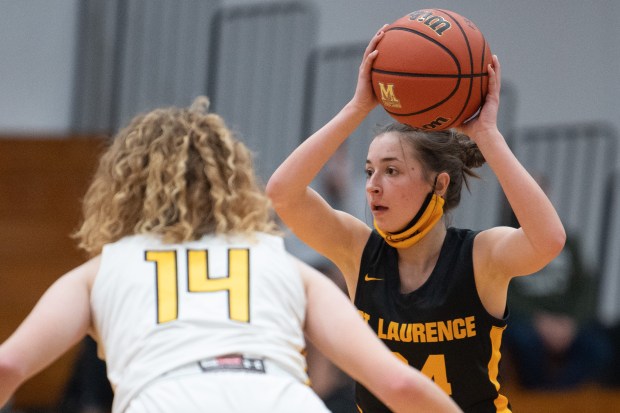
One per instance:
(484, 50)
(432, 75)
(471, 65)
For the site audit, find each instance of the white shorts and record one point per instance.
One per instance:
(227, 392)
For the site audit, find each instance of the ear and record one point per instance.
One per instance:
(441, 184)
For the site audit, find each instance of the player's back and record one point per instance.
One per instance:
(158, 307)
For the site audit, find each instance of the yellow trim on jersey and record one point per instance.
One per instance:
(501, 402)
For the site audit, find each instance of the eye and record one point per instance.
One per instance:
(391, 171)
(368, 172)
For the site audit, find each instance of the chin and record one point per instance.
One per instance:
(384, 226)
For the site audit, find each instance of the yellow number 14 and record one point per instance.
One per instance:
(236, 282)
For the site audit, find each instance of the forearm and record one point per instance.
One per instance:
(57, 322)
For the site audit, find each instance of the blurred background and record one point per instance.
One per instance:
(72, 72)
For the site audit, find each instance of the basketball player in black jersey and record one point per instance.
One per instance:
(435, 295)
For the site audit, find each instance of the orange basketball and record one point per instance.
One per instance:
(431, 70)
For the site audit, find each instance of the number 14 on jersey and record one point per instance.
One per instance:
(236, 282)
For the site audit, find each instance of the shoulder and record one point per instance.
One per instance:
(129, 242)
(486, 240)
(85, 273)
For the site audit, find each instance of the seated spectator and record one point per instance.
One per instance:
(553, 336)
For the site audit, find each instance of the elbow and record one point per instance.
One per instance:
(12, 375)
(279, 194)
(548, 249)
(415, 392)
(403, 386)
(556, 242)
(406, 388)
(274, 192)
(11, 367)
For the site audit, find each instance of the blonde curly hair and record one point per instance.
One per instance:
(176, 173)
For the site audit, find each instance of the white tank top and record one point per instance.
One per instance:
(160, 306)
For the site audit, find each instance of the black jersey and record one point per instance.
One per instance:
(442, 328)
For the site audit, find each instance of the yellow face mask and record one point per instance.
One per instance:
(430, 213)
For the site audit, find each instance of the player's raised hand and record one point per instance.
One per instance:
(486, 121)
(364, 97)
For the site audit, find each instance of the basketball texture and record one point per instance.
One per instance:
(431, 70)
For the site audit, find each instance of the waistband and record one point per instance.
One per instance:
(230, 363)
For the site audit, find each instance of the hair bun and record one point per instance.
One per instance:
(470, 154)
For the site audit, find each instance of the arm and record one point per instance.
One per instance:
(337, 330)
(334, 234)
(58, 321)
(502, 253)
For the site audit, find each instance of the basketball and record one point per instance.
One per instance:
(431, 70)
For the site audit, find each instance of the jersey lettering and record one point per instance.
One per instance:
(166, 284)
(435, 369)
(429, 332)
(236, 282)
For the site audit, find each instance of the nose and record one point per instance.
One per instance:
(372, 187)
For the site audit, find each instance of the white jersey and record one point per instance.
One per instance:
(157, 307)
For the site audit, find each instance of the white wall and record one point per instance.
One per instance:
(563, 56)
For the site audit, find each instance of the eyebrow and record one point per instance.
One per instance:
(384, 160)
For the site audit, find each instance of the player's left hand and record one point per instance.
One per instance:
(486, 121)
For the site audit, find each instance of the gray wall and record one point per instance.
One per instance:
(36, 64)
(563, 56)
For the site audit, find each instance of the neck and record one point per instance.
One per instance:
(416, 263)
(428, 246)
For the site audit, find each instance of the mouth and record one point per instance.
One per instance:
(376, 208)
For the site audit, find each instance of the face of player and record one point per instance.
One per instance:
(395, 183)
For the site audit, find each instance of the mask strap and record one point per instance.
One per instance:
(429, 214)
